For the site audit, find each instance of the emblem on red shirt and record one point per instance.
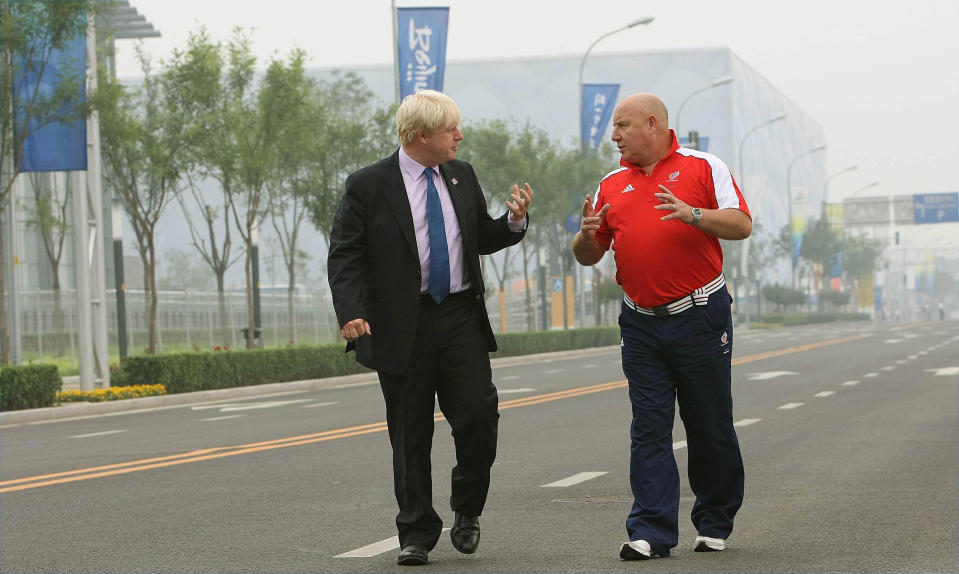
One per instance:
(673, 176)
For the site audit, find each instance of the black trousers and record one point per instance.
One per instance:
(449, 362)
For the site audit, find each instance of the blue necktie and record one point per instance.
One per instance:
(439, 284)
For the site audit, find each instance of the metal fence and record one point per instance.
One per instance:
(190, 320)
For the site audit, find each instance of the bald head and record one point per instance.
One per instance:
(645, 104)
(641, 129)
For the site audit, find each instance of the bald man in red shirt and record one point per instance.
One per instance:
(663, 213)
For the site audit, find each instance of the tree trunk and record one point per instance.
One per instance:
(530, 315)
(224, 337)
(149, 274)
(289, 303)
(251, 320)
(58, 315)
(4, 332)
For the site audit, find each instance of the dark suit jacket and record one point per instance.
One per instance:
(373, 265)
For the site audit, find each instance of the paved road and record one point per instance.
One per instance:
(848, 431)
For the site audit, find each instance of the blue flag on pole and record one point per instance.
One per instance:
(52, 146)
(598, 103)
(421, 33)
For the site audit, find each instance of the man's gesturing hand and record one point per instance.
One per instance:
(522, 197)
(591, 219)
(355, 329)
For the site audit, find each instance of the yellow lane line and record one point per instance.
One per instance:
(223, 452)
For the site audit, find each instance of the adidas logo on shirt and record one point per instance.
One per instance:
(628, 188)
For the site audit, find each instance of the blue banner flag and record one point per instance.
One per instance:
(421, 33)
(52, 145)
(598, 103)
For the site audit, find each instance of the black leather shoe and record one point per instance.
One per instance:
(413, 556)
(465, 533)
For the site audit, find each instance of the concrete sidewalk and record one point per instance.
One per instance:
(80, 410)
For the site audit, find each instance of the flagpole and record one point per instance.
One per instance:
(396, 50)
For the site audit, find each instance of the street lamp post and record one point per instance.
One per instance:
(863, 188)
(825, 188)
(716, 83)
(744, 256)
(789, 197)
(582, 64)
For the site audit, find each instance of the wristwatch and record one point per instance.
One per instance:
(697, 215)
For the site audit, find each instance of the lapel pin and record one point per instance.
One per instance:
(454, 181)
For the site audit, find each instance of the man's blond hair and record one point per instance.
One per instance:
(426, 111)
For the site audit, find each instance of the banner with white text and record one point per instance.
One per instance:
(421, 34)
(56, 139)
(598, 103)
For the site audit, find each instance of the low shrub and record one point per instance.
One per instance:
(28, 386)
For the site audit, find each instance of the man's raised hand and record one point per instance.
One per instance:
(591, 219)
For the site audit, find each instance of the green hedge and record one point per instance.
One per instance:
(184, 372)
(28, 387)
(511, 344)
(809, 318)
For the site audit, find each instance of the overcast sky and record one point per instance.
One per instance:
(883, 81)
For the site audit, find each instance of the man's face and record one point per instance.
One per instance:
(442, 145)
(632, 134)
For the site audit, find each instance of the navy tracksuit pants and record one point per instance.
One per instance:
(684, 358)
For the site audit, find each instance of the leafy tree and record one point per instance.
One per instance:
(860, 257)
(783, 296)
(504, 154)
(48, 215)
(821, 243)
(144, 143)
(349, 130)
(30, 32)
(197, 71)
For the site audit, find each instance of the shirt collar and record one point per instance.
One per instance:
(412, 168)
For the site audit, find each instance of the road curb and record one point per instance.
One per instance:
(80, 410)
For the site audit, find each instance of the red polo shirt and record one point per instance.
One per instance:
(657, 261)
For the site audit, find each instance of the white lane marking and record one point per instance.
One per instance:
(765, 376)
(790, 406)
(901, 362)
(103, 433)
(554, 371)
(887, 368)
(913, 357)
(575, 479)
(374, 549)
(266, 405)
(509, 378)
(510, 391)
(871, 375)
(893, 341)
(944, 371)
(850, 383)
(825, 394)
(314, 405)
(746, 422)
(222, 418)
(679, 444)
(229, 407)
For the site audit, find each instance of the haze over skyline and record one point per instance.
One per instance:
(880, 80)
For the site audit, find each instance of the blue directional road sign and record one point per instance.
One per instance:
(935, 207)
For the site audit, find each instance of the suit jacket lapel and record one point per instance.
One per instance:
(463, 205)
(400, 202)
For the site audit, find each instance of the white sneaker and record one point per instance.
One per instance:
(637, 550)
(707, 544)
